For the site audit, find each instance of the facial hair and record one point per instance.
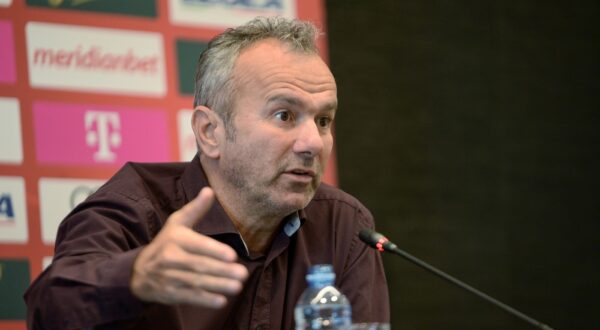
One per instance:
(259, 196)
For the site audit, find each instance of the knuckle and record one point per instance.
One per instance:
(201, 281)
(172, 251)
(169, 254)
(232, 286)
(170, 292)
(198, 267)
(240, 270)
(170, 220)
(176, 216)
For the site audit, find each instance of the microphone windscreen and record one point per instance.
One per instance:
(370, 237)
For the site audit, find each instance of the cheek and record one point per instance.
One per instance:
(267, 151)
(272, 143)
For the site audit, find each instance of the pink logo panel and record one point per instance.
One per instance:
(8, 72)
(78, 134)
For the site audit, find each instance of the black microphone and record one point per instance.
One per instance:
(381, 243)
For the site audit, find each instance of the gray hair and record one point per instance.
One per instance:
(214, 84)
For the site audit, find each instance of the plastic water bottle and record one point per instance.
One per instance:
(322, 305)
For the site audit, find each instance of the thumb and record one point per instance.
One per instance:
(192, 212)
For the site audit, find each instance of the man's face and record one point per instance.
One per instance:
(283, 110)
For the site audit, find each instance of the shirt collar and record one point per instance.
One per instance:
(292, 224)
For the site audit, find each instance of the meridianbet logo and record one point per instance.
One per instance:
(95, 58)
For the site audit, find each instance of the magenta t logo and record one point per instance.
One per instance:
(103, 133)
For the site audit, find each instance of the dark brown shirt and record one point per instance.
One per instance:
(87, 284)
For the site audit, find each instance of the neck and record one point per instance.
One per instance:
(255, 225)
(258, 234)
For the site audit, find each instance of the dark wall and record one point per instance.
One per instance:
(469, 128)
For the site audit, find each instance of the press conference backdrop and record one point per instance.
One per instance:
(86, 86)
(471, 131)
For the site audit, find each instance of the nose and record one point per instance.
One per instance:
(309, 142)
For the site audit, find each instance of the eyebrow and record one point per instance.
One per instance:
(286, 99)
(294, 101)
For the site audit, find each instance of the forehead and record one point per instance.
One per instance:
(270, 64)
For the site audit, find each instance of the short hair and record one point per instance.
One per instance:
(214, 83)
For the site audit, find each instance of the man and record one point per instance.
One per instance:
(223, 242)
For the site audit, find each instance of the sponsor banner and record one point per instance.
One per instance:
(80, 134)
(8, 72)
(14, 280)
(188, 52)
(95, 59)
(11, 145)
(5, 3)
(57, 198)
(129, 7)
(227, 13)
(187, 139)
(13, 211)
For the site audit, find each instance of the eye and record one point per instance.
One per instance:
(284, 115)
(324, 122)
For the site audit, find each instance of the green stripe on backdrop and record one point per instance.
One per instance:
(14, 280)
(145, 8)
(188, 52)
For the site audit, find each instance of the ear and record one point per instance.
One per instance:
(207, 126)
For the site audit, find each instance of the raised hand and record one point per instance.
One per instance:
(183, 266)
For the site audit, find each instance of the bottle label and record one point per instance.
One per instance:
(327, 317)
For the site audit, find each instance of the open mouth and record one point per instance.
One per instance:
(301, 175)
(302, 172)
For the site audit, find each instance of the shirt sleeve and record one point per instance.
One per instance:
(87, 283)
(364, 282)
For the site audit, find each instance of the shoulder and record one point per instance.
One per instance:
(138, 180)
(139, 195)
(146, 188)
(333, 203)
(331, 227)
(327, 194)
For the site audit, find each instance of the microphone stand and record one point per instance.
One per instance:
(381, 243)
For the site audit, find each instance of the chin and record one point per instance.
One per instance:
(302, 202)
(291, 199)
(294, 203)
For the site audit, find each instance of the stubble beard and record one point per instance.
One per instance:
(260, 197)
